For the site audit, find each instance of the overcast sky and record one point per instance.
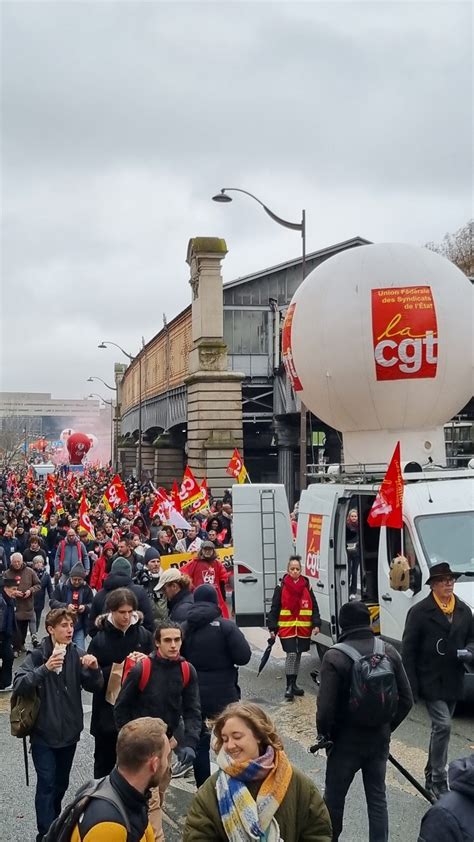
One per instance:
(121, 119)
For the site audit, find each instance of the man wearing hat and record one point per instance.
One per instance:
(75, 595)
(438, 642)
(8, 591)
(120, 576)
(357, 746)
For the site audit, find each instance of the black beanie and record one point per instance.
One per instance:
(353, 615)
(205, 593)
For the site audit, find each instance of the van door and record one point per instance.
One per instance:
(315, 543)
(395, 604)
(263, 543)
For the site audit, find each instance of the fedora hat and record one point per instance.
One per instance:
(440, 570)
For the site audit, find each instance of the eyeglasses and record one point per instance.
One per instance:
(445, 580)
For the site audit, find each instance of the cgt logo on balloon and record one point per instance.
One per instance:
(405, 333)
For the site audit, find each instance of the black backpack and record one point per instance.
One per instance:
(373, 694)
(62, 827)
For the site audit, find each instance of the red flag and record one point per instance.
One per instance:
(175, 497)
(388, 504)
(48, 497)
(236, 467)
(190, 488)
(201, 502)
(158, 508)
(84, 517)
(115, 493)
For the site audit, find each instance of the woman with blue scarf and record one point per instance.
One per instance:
(257, 795)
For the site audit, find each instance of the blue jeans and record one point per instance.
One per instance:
(79, 637)
(440, 714)
(53, 766)
(344, 760)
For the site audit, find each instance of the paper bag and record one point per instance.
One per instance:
(114, 683)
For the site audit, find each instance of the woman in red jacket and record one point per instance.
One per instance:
(101, 568)
(294, 615)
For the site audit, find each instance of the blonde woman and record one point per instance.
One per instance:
(257, 794)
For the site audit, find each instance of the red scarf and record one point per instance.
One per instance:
(294, 590)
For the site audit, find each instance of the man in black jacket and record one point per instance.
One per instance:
(437, 643)
(356, 746)
(215, 647)
(120, 576)
(166, 696)
(75, 595)
(57, 670)
(451, 818)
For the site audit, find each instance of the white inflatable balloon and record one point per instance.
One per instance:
(380, 338)
(65, 435)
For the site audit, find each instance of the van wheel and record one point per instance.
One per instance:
(321, 650)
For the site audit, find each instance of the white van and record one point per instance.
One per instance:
(438, 516)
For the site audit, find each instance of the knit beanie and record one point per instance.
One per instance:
(150, 553)
(205, 593)
(78, 570)
(353, 615)
(121, 565)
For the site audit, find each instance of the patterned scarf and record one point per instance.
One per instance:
(244, 819)
(447, 608)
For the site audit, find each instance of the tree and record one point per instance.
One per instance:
(458, 248)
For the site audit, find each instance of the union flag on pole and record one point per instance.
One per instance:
(115, 494)
(236, 468)
(84, 518)
(202, 502)
(190, 489)
(387, 507)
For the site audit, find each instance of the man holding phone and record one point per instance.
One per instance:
(57, 671)
(75, 595)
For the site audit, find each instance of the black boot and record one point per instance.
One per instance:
(297, 691)
(289, 695)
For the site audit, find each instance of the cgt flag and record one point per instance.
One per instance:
(236, 468)
(190, 490)
(84, 518)
(115, 494)
(387, 507)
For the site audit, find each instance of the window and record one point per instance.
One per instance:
(246, 331)
(448, 537)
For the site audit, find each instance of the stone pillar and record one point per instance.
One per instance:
(127, 459)
(169, 460)
(287, 438)
(214, 394)
(148, 459)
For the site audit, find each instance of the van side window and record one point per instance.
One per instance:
(394, 549)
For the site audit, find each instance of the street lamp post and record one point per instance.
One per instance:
(111, 404)
(131, 358)
(295, 226)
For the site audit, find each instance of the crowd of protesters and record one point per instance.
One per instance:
(156, 647)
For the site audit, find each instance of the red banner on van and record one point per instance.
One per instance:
(313, 546)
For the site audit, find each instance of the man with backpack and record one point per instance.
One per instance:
(163, 685)
(55, 672)
(363, 696)
(115, 807)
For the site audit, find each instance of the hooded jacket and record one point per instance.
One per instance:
(114, 581)
(165, 696)
(99, 570)
(111, 645)
(180, 605)
(214, 646)
(451, 819)
(335, 679)
(60, 718)
(65, 594)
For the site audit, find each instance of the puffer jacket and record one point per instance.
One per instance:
(111, 583)
(60, 718)
(180, 605)
(302, 815)
(111, 646)
(214, 646)
(451, 819)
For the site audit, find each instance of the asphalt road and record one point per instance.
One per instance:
(295, 722)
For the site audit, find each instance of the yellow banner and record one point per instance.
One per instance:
(226, 555)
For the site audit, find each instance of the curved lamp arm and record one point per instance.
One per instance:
(295, 226)
(108, 342)
(112, 388)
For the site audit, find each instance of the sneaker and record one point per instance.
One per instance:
(6, 689)
(181, 768)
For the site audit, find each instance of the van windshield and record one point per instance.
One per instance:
(448, 537)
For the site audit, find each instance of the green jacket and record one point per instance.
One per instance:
(302, 817)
